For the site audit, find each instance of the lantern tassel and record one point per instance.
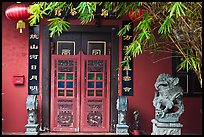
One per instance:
(20, 25)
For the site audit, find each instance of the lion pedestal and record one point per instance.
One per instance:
(168, 106)
(161, 128)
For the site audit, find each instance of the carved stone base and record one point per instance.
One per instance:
(32, 129)
(122, 129)
(160, 128)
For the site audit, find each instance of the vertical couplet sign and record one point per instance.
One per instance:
(127, 71)
(33, 68)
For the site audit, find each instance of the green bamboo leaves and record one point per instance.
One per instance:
(166, 27)
(57, 25)
(135, 48)
(36, 13)
(86, 11)
(178, 8)
(123, 31)
(159, 18)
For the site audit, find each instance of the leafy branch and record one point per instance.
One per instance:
(178, 22)
(57, 25)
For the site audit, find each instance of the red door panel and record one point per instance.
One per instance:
(80, 93)
(65, 93)
(95, 93)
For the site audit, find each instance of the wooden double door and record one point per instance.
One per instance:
(80, 83)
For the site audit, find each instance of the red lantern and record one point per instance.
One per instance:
(18, 12)
(136, 16)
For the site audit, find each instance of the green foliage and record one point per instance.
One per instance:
(40, 9)
(108, 5)
(36, 12)
(124, 30)
(124, 63)
(162, 17)
(86, 11)
(144, 35)
(135, 48)
(184, 64)
(166, 27)
(190, 59)
(144, 25)
(57, 25)
(178, 7)
(117, 7)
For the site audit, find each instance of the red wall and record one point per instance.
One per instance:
(15, 61)
(192, 117)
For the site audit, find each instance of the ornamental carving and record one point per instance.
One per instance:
(170, 132)
(94, 118)
(65, 118)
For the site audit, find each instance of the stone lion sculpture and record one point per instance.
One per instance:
(32, 106)
(167, 100)
(122, 104)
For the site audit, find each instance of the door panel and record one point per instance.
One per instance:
(65, 93)
(95, 93)
(80, 83)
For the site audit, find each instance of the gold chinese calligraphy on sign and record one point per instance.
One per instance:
(127, 89)
(34, 36)
(127, 37)
(33, 46)
(127, 73)
(127, 58)
(125, 48)
(33, 72)
(127, 78)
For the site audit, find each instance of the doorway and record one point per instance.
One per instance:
(75, 34)
(80, 83)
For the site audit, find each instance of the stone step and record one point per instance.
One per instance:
(66, 133)
(58, 133)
